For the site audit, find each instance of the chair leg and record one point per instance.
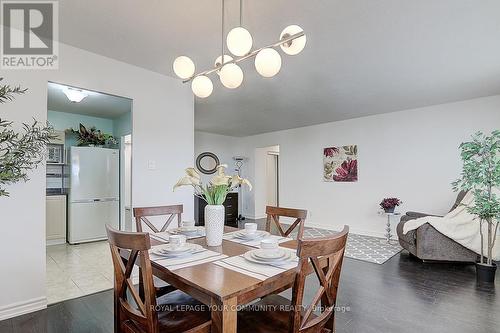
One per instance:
(117, 324)
(330, 324)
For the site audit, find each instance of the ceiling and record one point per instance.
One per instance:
(96, 104)
(362, 57)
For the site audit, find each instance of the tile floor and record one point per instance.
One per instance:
(77, 270)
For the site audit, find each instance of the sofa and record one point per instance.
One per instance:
(428, 244)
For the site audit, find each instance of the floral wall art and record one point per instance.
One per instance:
(340, 164)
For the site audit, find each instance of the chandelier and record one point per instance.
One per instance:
(239, 42)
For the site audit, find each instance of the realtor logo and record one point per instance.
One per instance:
(29, 35)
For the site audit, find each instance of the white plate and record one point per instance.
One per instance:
(287, 259)
(255, 235)
(189, 231)
(269, 254)
(270, 261)
(167, 249)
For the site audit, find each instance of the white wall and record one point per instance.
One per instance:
(157, 100)
(411, 154)
(225, 147)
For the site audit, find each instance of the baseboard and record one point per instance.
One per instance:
(20, 308)
(56, 241)
(354, 230)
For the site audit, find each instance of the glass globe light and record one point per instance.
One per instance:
(239, 41)
(183, 67)
(268, 62)
(231, 76)
(202, 86)
(295, 46)
(218, 61)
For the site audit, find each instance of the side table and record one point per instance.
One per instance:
(388, 234)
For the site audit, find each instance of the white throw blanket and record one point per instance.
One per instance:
(459, 225)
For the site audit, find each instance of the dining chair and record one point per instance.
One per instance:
(273, 219)
(173, 313)
(144, 215)
(277, 314)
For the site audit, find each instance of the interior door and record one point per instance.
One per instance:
(272, 179)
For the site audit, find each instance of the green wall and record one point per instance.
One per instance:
(63, 120)
(122, 125)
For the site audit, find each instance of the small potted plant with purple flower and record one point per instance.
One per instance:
(389, 204)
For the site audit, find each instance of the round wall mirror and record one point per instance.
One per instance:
(207, 163)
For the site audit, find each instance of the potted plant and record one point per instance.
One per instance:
(214, 194)
(481, 175)
(92, 137)
(389, 204)
(20, 152)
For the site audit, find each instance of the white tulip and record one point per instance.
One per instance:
(220, 180)
(247, 183)
(186, 180)
(221, 168)
(236, 180)
(195, 181)
(193, 173)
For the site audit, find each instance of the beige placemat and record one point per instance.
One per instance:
(195, 259)
(258, 271)
(253, 243)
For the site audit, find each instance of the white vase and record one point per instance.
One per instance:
(214, 224)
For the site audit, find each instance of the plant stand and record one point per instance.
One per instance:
(388, 234)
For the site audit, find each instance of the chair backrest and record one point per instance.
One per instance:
(273, 218)
(139, 310)
(314, 252)
(141, 215)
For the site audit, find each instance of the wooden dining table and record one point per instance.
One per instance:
(222, 289)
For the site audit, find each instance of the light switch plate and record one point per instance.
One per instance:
(151, 165)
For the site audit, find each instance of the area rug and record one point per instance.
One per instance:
(360, 247)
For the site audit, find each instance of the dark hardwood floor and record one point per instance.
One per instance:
(403, 295)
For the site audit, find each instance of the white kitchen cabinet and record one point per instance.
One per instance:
(56, 219)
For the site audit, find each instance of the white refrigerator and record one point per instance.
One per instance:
(93, 194)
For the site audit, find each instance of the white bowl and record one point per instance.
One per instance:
(188, 224)
(177, 241)
(250, 228)
(269, 244)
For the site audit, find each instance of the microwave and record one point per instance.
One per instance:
(55, 154)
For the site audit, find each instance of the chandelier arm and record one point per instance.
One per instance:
(249, 55)
(222, 33)
(241, 14)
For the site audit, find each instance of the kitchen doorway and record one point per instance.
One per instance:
(88, 187)
(126, 217)
(272, 178)
(266, 179)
